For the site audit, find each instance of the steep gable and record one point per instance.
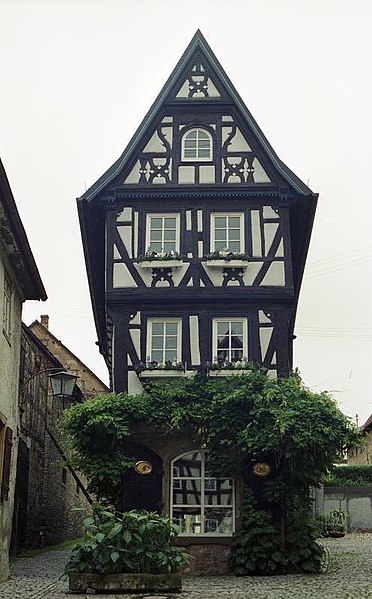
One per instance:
(198, 94)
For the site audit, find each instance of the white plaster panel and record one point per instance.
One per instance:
(186, 174)
(168, 134)
(135, 335)
(270, 230)
(265, 337)
(167, 119)
(214, 274)
(125, 233)
(135, 386)
(130, 363)
(202, 284)
(189, 254)
(134, 175)
(135, 234)
(122, 276)
(268, 212)
(199, 216)
(145, 274)
(191, 282)
(155, 144)
(251, 272)
(194, 340)
(212, 90)
(227, 119)
(188, 220)
(274, 359)
(200, 249)
(184, 91)
(263, 318)
(259, 175)
(275, 275)
(238, 143)
(256, 233)
(280, 250)
(272, 374)
(125, 215)
(179, 272)
(207, 174)
(116, 253)
(136, 319)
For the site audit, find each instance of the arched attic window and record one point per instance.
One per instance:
(197, 144)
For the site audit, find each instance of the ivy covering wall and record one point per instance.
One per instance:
(241, 419)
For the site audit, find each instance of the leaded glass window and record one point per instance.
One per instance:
(201, 504)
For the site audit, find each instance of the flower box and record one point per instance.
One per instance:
(160, 263)
(220, 263)
(165, 374)
(228, 372)
(124, 583)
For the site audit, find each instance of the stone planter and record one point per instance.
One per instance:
(160, 263)
(219, 263)
(166, 374)
(124, 583)
(227, 372)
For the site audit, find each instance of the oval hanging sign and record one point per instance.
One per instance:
(261, 469)
(143, 467)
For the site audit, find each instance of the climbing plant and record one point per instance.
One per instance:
(241, 419)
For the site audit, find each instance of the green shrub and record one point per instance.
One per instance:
(350, 476)
(258, 549)
(132, 542)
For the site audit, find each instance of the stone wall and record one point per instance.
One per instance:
(356, 501)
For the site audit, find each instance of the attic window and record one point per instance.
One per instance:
(197, 145)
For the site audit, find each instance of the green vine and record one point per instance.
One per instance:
(241, 419)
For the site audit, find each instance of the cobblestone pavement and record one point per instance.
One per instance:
(349, 576)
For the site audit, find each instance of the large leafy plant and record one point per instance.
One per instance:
(131, 542)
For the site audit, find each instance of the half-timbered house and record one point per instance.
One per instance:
(195, 242)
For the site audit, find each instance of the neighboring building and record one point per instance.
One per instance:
(88, 383)
(198, 181)
(45, 490)
(362, 456)
(19, 281)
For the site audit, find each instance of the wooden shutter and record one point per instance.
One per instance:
(6, 464)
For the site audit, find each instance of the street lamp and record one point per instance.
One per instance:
(63, 383)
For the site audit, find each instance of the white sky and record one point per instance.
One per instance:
(78, 76)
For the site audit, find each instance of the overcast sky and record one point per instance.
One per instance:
(78, 76)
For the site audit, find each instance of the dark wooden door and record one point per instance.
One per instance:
(143, 491)
(20, 499)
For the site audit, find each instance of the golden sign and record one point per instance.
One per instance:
(143, 467)
(261, 469)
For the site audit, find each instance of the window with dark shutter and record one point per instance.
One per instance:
(6, 464)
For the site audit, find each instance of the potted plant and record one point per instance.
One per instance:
(161, 259)
(130, 552)
(225, 258)
(333, 524)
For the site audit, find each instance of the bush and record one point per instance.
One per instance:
(132, 542)
(257, 547)
(350, 476)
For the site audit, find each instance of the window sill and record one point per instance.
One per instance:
(227, 372)
(160, 263)
(166, 374)
(227, 263)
